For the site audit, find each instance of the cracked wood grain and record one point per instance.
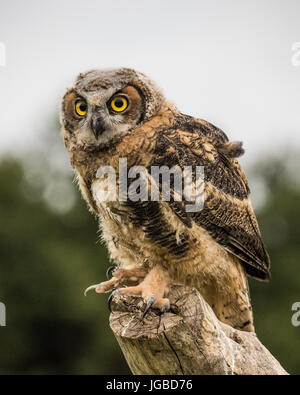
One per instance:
(187, 340)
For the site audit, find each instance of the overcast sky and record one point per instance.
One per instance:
(227, 61)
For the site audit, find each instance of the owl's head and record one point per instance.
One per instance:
(104, 104)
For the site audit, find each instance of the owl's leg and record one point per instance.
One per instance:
(121, 277)
(154, 289)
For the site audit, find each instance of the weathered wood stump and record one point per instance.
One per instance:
(187, 340)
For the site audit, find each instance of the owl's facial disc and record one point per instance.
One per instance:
(105, 104)
(95, 118)
(113, 117)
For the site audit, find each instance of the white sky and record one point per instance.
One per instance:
(227, 61)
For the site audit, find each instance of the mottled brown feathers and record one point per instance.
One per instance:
(227, 214)
(232, 149)
(211, 249)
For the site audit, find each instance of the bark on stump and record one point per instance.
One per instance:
(188, 340)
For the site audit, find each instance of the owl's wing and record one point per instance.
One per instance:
(227, 214)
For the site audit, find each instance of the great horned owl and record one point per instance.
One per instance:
(121, 113)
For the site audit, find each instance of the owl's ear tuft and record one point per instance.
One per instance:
(233, 149)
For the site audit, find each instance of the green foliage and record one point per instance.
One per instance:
(279, 219)
(50, 253)
(47, 260)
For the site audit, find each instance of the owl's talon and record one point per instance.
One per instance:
(109, 272)
(110, 298)
(90, 288)
(150, 303)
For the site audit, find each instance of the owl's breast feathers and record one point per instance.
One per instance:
(174, 139)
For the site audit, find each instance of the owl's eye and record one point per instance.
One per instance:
(119, 103)
(81, 108)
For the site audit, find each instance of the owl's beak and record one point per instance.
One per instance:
(97, 126)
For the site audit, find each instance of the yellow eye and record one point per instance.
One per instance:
(81, 108)
(119, 103)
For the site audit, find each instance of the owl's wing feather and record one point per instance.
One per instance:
(227, 214)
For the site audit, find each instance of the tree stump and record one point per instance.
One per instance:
(187, 340)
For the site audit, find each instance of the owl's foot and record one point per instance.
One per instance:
(153, 289)
(121, 277)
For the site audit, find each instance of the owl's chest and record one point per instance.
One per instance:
(125, 240)
(148, 237)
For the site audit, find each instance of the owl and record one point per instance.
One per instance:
(116, 114)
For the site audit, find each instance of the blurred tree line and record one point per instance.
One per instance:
(50, 252)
